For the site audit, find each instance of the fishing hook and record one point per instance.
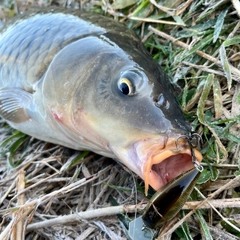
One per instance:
(190, 139)
(195, 162)
(196, 137)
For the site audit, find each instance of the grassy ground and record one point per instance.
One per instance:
(197, 43)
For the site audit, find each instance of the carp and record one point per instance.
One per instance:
(86, 82)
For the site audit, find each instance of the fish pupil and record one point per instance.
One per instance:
(124, 88)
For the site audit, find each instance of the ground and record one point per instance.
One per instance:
(51, 192)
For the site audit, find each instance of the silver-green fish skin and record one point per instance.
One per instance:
(86, 82)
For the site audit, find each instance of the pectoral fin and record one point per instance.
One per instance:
(14, 103)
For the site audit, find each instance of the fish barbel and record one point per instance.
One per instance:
(86, 82)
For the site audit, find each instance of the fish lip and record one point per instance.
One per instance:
(164, 163)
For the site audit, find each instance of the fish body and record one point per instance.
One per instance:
(86, 82)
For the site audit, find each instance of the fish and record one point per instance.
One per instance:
(86, 82)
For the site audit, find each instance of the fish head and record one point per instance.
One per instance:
(122, 104)
(139, 117)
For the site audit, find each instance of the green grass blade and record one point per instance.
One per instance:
(204, 97)
(204, 176)
(217, 94)
(79, 158)
(219, 24)
(226, 66)
(199, 46)
(203, 226)
(232, 41)
(186, 231)
(202, 115)
(120, 4)
(142, 11)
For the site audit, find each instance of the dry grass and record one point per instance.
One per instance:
(51, 192)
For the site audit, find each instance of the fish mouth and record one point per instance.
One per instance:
(161, 163)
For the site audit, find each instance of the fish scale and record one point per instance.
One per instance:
(39, 41)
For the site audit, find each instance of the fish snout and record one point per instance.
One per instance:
(163, 162)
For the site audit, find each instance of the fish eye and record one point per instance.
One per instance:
(131, 82)
(126, 86)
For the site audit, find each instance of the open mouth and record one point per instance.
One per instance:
(163, 165)
(158, 160)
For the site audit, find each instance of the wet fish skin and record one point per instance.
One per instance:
(59, 82)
